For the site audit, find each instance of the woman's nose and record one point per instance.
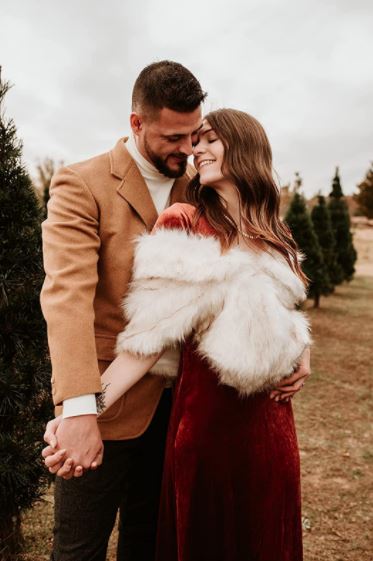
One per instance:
(197, 149)
(186, 147)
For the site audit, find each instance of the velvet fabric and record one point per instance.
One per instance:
(231, 483)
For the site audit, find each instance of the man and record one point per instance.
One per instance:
(95, 211)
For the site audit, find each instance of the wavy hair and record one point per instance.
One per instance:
(248, 163)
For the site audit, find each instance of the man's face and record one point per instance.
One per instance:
(167, 140)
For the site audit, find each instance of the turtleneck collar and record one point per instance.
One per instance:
(148, 171)
(158, 184)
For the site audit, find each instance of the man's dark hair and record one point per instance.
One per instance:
(166, 84)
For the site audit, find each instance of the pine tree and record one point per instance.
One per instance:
(346, 254)
(300, 224)
(322, 225)
(24, 367)
(365, 196)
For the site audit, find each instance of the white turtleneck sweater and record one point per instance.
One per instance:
(159, 188)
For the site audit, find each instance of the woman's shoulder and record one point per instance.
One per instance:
(183, 216)
(177, 216)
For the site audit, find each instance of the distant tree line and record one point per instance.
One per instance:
(364, 196)
(45, 170)
(324, 237)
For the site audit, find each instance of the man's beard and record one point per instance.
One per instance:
(161, 164)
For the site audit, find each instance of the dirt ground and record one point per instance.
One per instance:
(334, 416)
(334, 421)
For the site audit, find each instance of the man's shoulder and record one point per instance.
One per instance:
(92, 166)
(101, 170)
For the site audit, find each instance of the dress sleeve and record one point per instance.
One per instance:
(178, 216)
(168, 296)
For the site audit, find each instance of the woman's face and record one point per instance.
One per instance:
(208, 156)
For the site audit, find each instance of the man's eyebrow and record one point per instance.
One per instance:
(173, 134)
(182, 134)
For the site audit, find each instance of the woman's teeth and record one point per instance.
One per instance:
(206, 163)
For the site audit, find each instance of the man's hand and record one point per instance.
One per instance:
(291, 385)
(79, 442)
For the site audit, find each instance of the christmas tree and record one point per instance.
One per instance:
(346, 254)
(364, 197)
(24, 367)
(324, 231)
(300, 224)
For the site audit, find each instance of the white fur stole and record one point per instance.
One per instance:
(241, 306)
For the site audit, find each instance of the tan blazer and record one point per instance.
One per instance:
(96, 209)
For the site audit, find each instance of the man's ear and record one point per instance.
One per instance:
(136, 123)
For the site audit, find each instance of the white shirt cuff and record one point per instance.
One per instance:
(80, 405)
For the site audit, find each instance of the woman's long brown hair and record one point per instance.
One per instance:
(248, 163)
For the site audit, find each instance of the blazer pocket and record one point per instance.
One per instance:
(114, 411)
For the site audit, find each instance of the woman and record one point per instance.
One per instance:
(221, 275)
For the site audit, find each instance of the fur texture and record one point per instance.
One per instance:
(240, 306)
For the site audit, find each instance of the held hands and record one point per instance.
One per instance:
(74, 445)
(291, 385)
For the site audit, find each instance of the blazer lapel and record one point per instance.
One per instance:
(132, 188)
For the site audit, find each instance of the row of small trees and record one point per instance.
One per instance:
(324, 237)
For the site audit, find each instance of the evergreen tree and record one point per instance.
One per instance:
(323, 229)
(24, 367)
(365, 196)
(346, 254)
(300, 224)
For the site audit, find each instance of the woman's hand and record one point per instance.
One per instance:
(57, 463)
(50, 432)
(291, 385)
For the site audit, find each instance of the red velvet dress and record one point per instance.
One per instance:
(231, 485)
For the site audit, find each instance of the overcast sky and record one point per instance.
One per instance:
(302, 67)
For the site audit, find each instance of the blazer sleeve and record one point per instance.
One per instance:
(71, 249)
(167, 300)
